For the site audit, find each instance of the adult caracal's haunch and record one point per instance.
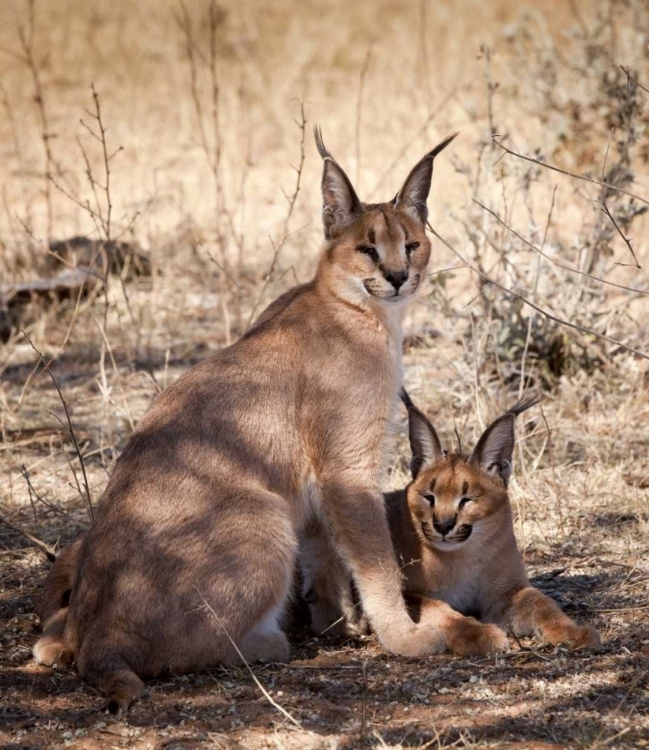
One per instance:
(211, 495)
(453, 535)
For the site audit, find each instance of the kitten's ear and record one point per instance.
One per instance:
(425, 444)
(413, 195)
(495, 449)
(340, 204)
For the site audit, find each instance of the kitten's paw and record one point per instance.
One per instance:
(472, 638)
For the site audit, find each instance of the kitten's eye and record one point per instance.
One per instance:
(411, 247)
(463, 502)
(369, 251)
(430, 498)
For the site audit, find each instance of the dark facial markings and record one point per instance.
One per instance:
(411, 247)
(463, 532)
(369, 251)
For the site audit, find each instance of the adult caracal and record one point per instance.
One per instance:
(453, 535)
(208, 501)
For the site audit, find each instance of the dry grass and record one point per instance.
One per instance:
(206, 191)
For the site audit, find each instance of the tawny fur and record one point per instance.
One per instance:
(453, 535)
(208, 501)
(52, 607)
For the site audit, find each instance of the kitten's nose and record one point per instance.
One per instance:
(443, 527)
(396, 278)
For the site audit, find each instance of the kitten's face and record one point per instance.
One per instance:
(452, 503)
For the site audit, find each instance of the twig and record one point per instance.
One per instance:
(291, 205)
(11, 119)
(618, 229)
(631, 78)
(265, 692)
(491, 89)
(556, 262)
(68, 427)
(545, 313)
(359, 111)
(46, 503)
(528, 337)
(570, 174)
(44, 548)
(27, 46)
(224, 271)
(362, 737)
(553, 468)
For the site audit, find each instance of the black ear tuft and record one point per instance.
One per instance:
(322, 149)
(425, 444)
(413, 195)
(340, 204)
(495, 449)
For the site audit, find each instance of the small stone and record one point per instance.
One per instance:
(473, 678)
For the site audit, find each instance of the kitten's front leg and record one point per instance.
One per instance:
(465, 636)
(531, 611)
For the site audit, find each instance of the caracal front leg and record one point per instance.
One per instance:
(359, 525)
(464, 635)
(532, 612)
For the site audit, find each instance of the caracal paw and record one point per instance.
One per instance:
(472, 638)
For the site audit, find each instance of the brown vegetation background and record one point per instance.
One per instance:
(204, 163)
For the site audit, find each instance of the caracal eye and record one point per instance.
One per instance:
(464, 501)
(430, 498)
(369, 251)
(411, 247)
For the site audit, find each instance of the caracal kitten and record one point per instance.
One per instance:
(453, 535)
(190, 560)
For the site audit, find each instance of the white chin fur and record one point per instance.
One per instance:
(447, 546)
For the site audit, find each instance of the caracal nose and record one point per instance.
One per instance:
(396, 278)
(443, 527)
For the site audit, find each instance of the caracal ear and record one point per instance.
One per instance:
(413, 195)
(425, 444)
(340, 204)
(495, 449)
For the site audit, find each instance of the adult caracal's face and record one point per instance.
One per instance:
(375, 253)
(455, 499)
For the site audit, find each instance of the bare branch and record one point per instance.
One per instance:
(631, 78)
(285, 233)
(44, 548)
(593, 181)
(618, 229)
(572, 269)
(545, 313)
(69, 428)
